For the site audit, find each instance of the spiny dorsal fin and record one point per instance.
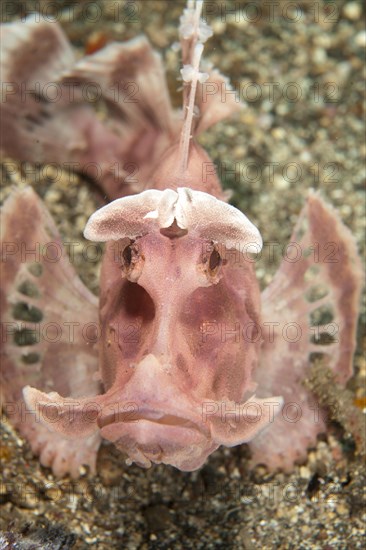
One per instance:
(193, 33)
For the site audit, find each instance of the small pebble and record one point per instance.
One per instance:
(360, 39)
(352, 10)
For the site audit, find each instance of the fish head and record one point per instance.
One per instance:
(179, 309)
(178, 296)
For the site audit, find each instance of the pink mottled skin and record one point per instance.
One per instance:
(177, 267)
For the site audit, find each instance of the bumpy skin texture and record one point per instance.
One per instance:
(181, 364)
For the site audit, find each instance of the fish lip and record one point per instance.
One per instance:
(154, 416)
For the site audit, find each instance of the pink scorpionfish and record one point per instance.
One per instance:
(155, 376)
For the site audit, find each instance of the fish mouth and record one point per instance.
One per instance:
(152, 416)
(152, 435)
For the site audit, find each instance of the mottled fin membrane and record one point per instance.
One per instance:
(47, 115)
(51, 104)
(216, 100)
(131, 77)
(33, 55)
(45, 120)
(49, 328)
(314, 301)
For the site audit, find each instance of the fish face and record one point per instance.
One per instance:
(173, 298)
(175, 306)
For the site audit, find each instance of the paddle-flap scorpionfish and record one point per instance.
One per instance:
(158, 380)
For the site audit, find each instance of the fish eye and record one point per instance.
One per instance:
(210, 266)
(131, 261)
(127, 255)
(215, 260)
